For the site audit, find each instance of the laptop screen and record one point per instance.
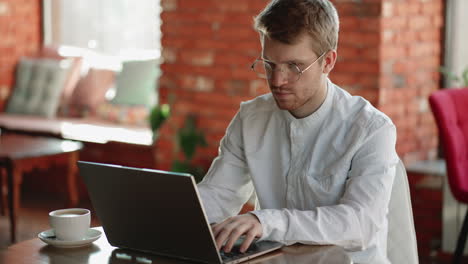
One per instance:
(149, 210)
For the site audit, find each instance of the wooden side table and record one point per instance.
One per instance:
(21, 153)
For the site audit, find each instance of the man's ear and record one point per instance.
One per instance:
(330, 60)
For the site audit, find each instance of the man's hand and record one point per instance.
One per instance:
(228, 231)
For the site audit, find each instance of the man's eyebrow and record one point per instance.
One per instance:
(294, 61)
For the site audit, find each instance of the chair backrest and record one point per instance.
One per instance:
(401, 241)
(450, 108)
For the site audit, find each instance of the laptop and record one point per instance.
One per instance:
(157, 212)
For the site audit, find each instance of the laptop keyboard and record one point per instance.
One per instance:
(236, 254)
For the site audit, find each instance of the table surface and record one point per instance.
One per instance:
(85, 130)
(37, 252)
(14, 146)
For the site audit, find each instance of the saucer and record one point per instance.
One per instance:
(49, 238)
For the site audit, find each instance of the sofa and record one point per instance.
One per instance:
(54, 95)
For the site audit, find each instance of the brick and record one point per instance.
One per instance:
(371, 24)
(438, 21)
(197, 83)
(235, 33)
(218, 6)
(395, 23)
(169, 5)
(358, 9)
(169, 55)
(258, 5)
(232, 87)
(231, 6)
(197, 57)
(346, 52)
(235, 59)
(429, 35)
(4, 9)
(217, 125)
(195, 30)
(342, 78)
(431, 8)
(388, 9)
(349, 23)
(419, 22)
(4, 92)
(405, 37)
(258, 87)
(387, 36)
(359, 39)
(392, 52)
(407, 8)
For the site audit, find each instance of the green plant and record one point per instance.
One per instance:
(189, 138)
(158, 115)
(462, 79)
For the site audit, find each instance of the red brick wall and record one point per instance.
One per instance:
(20, 35)
(208, 47)
(358, 64)
(389, 52)
(410, 54)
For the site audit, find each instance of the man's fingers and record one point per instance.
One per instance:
(236, 232)
(247, 241)
(221, 238)
(229, 231)
(217, 228)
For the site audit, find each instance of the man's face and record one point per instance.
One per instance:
(305, 95)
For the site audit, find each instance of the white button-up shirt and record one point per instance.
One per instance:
(323, 179)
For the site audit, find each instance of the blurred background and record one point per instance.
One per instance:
(125, 58)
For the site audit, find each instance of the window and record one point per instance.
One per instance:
(456, 39)
(109, 34)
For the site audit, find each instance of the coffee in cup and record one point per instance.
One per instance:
(70, 224)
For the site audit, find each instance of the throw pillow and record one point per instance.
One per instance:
(136, 83)
(91, 91)
(38, 86)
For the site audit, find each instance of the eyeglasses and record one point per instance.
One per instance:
(265, 69)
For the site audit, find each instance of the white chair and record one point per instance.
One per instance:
(401, 241)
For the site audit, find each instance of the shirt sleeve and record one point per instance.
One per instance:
(227, 185)
(361, 212)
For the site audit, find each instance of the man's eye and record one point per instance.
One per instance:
(293, 67)
(270, 65)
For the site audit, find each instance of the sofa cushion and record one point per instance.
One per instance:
(73, 76)
(136, 83)
(38, 86)
(90, 92)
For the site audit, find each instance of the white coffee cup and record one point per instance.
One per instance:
(70, 224)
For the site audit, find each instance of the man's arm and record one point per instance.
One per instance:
(227, 185)
(360, 213)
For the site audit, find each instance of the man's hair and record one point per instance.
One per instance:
(286, 20)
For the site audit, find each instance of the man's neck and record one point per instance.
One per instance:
(313, 104)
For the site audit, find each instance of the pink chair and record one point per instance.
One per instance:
(450, 108)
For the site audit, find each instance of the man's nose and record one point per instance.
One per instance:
(278, 77)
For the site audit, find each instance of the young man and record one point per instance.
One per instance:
(322, 162)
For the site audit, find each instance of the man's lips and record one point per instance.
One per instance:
(281, 94)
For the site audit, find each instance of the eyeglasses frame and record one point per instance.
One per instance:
(300, 72)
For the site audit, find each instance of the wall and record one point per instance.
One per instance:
(20, 35)
(389, 52)
(410, 56)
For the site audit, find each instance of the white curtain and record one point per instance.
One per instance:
(109, 27)
(456, 38)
